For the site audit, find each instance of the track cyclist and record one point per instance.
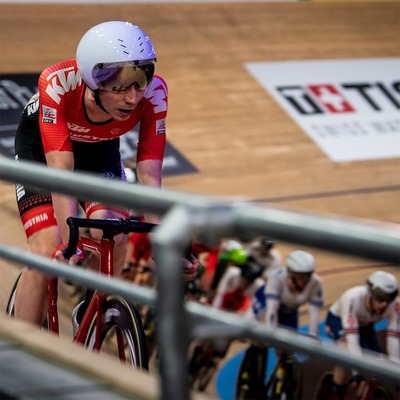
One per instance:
(351, 318)
(238, 286)
(73, 123)
(277, 303)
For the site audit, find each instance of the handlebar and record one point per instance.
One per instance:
(110, 227)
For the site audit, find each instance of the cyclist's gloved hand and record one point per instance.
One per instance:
(75, 259)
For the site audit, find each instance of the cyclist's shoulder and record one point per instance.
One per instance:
(157, 83)
(66, 67)
(352, 298)
(59, 81)
(232, 272)
(355, 293)
(276, 280)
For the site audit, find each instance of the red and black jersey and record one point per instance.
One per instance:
(63, 118)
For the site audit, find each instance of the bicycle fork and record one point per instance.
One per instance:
(52, 305)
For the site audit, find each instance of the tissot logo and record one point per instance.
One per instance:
(327, 98)
(350, 108)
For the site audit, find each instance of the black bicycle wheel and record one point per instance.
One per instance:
(294, 379)
(122, 332)
(286, 380)
(11, 299)
(323, 389)
(205, 375)
(10, 308)
(380, 393)
(275, 389)
(251, 375)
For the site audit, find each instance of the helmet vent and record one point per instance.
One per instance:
(123, 45)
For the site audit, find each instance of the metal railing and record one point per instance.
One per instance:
(210, 219)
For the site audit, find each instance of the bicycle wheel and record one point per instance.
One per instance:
(286, 380)
(122, 332)
(205, 375)
(324, 386)
(380, 393)
(294, 380)
(10, 308)
(251, 375)
(11, 300)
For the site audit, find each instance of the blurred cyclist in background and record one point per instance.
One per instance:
(218, 259)
(263, 251)
(238, 286)
(277, 303)
(351, 318)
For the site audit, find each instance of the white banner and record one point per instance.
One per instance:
(350, 108)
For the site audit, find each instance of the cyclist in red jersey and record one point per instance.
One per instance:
(73, 123)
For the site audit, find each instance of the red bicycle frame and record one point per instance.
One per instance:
(105, 249)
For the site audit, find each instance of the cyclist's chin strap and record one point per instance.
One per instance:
(98, 101)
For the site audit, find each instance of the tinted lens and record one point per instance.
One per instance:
(381, 296)
(299, 276)
(121, 76)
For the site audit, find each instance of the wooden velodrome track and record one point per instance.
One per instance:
(240, 140)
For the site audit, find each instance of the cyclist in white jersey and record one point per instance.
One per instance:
(351, 318)
(287, 289)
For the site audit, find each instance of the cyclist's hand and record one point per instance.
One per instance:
(75, 259)
(191, 268)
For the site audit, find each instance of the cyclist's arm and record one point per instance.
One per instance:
(149, 173)
(315, 308)
(272, 299)
(393, 333)
(315, 314)
(227, 284)
(64, 206)
(351, 326)
(271, 311)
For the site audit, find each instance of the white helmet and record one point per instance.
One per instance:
(382, 286)
(300, 263)
(113, 55)
(230, 245)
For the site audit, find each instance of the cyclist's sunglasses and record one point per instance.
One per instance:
(119, 77)
(300, 276)
(381, 296)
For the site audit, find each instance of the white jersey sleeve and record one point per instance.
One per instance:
(273, 289)
(228, 283)
(316, 302)
(393, 332)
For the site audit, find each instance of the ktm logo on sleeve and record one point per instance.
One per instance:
(62, 81)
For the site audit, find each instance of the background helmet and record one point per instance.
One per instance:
(251, 271)
(300, 263)
(382, 286)
(267, 243)
(112, 48)
(229, 245)
(238, 256)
